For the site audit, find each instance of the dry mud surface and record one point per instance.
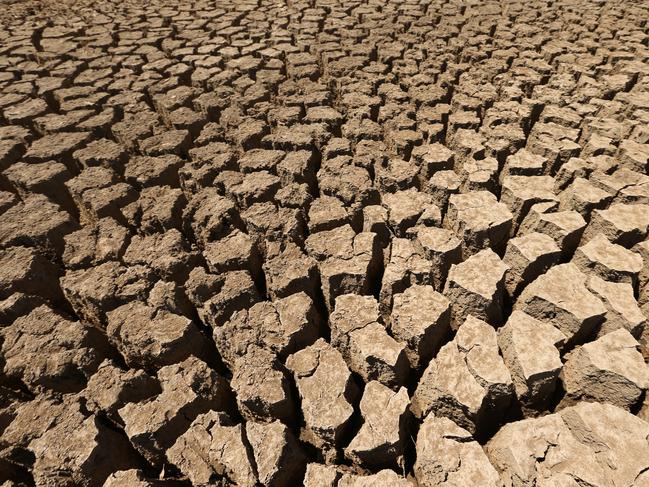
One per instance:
(324, 243)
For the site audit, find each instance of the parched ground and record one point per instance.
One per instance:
(326, 243)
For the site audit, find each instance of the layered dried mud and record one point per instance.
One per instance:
(324, 243)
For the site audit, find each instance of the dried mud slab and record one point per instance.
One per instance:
(324, 243)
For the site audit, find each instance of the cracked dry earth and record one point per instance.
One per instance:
(326, 243)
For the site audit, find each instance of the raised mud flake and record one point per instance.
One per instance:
(236, 251)
(364, 343)
(530, 349)
(520, 193)
(214, 447)
(351, 184)
(25, 270)
(442, 185)
(477, 287)
(421, 318)
(570, 443)
(397, 175)
(10, 152)
(524, 163)
(560, 296)
(80, 451)
(151, 338)
(95, 244)
(101, 152)
(608, 260)
(134, 478)
(290, 272)
(111, 388)
(46, 350)
(217, 297)
(479, 220)
(279, 459)
(175, 142)
(275, 224)
(261, 386)
(565, 227)
(189, 388)
(447, 455)
(528, 257)
(255, 187)
(327, 393)
(407, 208)
(25, 112)
(384, 477)
(406, 266)
(584, 197)
(319, 475)
(467, 381)
(298, 167)
(144, 171)
(27, 421)
(609, 370)
(347, 261)
(57, 147)
(260, 160)
(158, 209)
(294, 196)
(621, 223)
(47, 178)
(441, 247)
(381, 439)
(327, 213)
(168, 255)
(282, 327)
(36, 222)
(432, 158)
(97, 290)
(209, 216)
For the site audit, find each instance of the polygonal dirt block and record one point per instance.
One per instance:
(528, 257)
(364, 343)
(560, 296)
(479, 220)
(467, 381)
(530, 349)
(283, 327)
(327, 394)
(609, 370)
(150, 338)
(476, 287)
(45, 350)
(381, 439)
(609, 261)
(421, 318)
(448, 455)
(262, 388)
(189, 388)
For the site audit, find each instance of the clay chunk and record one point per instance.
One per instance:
(189, 389)
(567, 446)
(477, 287)
(45, 350)
(530, 349)
(364, 343)
(447, 455)
(327, 393)
(609, 370)
(467, 381)
(381, 439)
(560, 296)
